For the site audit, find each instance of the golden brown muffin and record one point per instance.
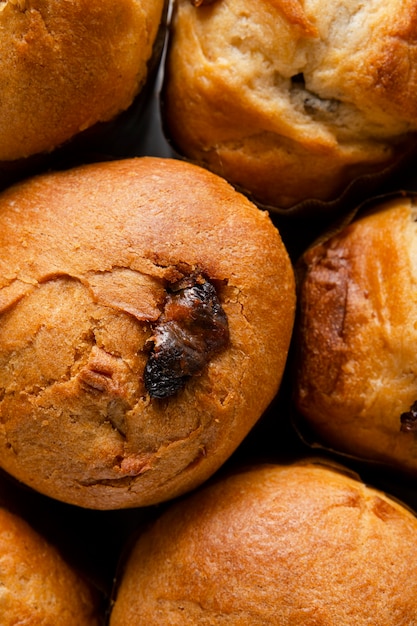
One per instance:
(291, 545)
(146, 310)
(65, 66)
(288, 100)
(37, 587)
(357, 331)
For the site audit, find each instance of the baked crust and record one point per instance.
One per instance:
(37, 586)
(86, 258)
(357, 366)
(296, 545)
(292, 101)
(65, 66)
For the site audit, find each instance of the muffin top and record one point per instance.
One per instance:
(146, 312)
(356, 373)
(301, 545)
(38, 587)
(289, 100)
(65, 66)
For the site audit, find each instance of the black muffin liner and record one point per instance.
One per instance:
(303, 223)
(114, 139)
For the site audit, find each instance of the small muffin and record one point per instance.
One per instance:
(292, 101)
(67, 66)
(37, 586)
(290, 545)
(146, 310)
(356, 373)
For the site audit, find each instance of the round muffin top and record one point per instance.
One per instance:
(146, 310)
(291, 100)
(38, 587)
(299, 545)
(64, 66)
(356, 363)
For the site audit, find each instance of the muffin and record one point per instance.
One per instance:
(292, 101)
(289, 545)
(356, 367)
(66, 67)
(37, 586)
(146, 310)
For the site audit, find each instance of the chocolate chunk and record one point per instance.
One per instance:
(409, 420)
(192, 327)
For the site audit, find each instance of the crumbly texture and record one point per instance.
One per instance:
(37, 587)
(356, 361)
(291, 100)
(297, 545)
(87, 256)
(64, 66)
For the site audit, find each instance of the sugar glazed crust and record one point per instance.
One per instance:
(65, 66)
(357, 365)
(290, 100)
(296, 545)
(37, 587)
(95, 261)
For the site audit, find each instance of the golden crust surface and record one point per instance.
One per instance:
(357, 365)
(86, 257)
(65, 66)
(291, 100)
(299, 545)
(37, 587)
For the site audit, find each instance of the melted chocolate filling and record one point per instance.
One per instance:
(191, 329)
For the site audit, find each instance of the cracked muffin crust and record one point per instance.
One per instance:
(107, 268)
(66, 66)
(292, 100)
(297, 545)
